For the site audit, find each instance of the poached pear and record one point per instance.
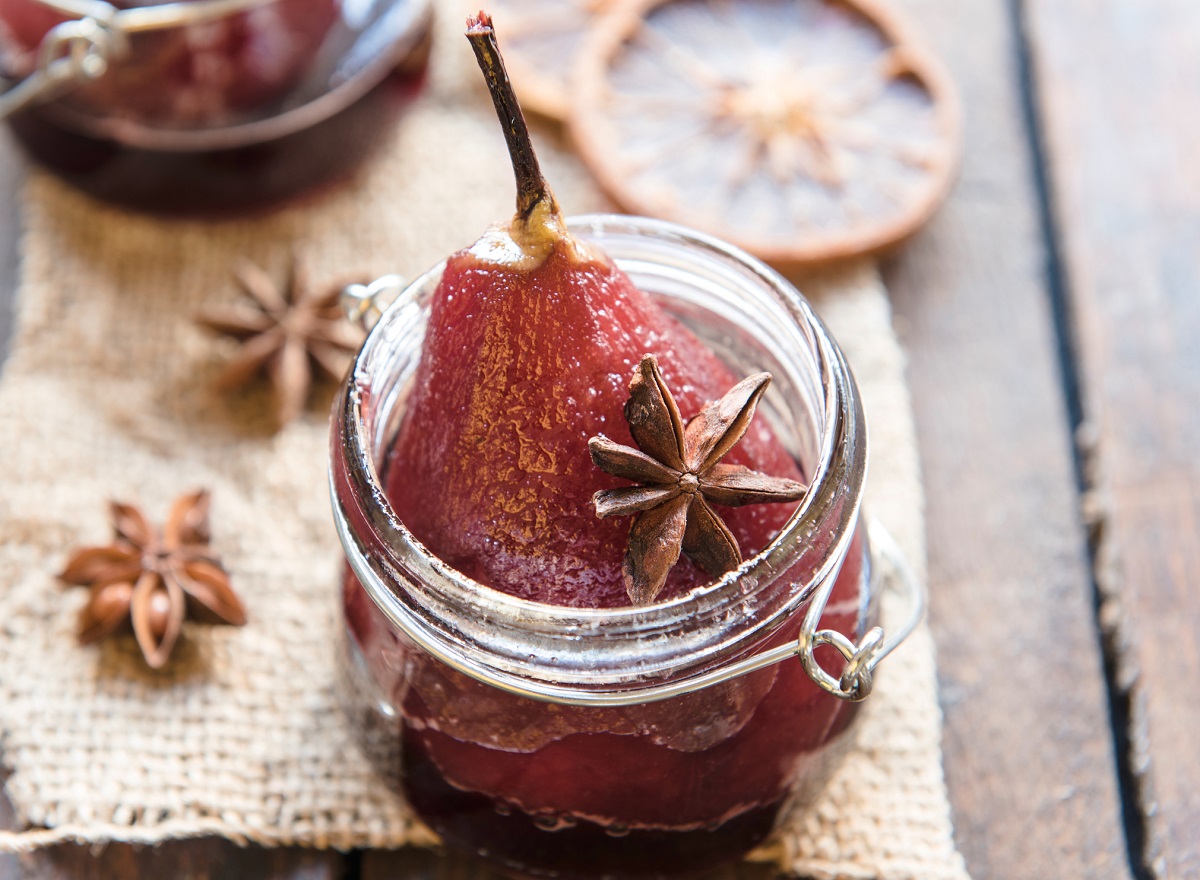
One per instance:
(532, 339)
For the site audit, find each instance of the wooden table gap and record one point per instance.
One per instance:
(1058, 290)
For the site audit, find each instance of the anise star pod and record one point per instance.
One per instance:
(284, 332)
(541, 43)
(678, 471)
(803, 131)
(150, 580)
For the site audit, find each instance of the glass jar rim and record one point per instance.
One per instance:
(568, 651)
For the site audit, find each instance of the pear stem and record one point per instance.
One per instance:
(531, 185)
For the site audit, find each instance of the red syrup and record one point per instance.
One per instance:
(665, 789)
(660, 790)
(246, 116)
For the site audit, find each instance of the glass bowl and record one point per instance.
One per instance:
(222, 105)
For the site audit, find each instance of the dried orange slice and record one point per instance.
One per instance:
(804, 131)
(541, 40)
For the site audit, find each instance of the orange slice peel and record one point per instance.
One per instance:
(803, 131)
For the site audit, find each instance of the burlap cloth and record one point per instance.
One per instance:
(107, 394)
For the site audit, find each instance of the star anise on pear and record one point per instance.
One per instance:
(150, 580)
(284, 333)
(679, 475)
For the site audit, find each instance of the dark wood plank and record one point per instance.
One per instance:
(1119, 88)
(10, 865)
(414, 864)
(199, 859)
(11, 170)
(1028, 751)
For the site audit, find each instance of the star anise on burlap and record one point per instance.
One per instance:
(679, 472)
(284, 333)
(151, 580)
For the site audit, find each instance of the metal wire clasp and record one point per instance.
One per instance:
(857, 679)
(363, 304)
(96, 34)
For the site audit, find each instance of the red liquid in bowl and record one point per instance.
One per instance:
(232, 115)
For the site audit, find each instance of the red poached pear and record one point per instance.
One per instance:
(532, 340)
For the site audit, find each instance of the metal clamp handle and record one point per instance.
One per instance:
(364, 304)
(80, 49)
(856, 680)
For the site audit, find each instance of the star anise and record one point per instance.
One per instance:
(283, 332)
(152, 580)
(679, 472)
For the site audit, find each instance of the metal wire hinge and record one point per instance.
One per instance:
(97, 34)
(364, 304)
(857, 679)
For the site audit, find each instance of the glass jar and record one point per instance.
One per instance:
(654, 741)
(215, 106)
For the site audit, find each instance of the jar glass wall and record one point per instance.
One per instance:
(537, 736)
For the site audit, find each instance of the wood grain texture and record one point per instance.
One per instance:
(11, 170)
(10, 865)
(432, 865)
(200, 859)
(1028, 752)
(1119, 88)
(10, 175)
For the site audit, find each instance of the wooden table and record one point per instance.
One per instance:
(1052, 315)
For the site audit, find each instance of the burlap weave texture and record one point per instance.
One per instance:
(107, 394)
